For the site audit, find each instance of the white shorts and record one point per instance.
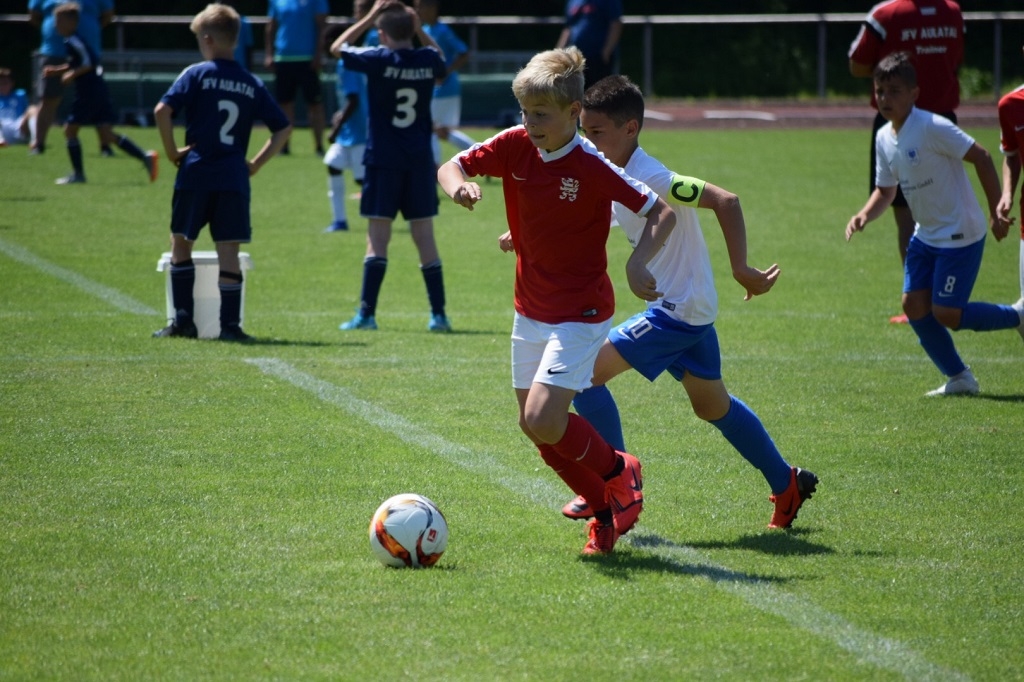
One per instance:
(351, 158)
(560, 355)
(446, 111)
(10, 133)
(1022, 266)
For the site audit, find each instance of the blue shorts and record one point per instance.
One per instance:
(386, 191)
(652, 342)
(226, 212)
(92, 105)
(948, 273)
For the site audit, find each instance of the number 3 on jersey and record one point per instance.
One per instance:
(405, 111)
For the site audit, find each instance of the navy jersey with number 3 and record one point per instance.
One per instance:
(400, 84)
(221, 101)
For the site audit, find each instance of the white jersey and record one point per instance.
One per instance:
(926, 160)
(682, 267)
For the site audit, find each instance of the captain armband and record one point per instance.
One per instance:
(685, 190)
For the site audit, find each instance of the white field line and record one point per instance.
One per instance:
(869, 648)
(100, 291)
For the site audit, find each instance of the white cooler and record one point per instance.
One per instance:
(206, 293)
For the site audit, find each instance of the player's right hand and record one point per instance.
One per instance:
(467, 194)
(856, 224)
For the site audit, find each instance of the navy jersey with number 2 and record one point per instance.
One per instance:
(221, 101)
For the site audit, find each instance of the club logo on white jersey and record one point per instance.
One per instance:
(570, 188)
(914, 156)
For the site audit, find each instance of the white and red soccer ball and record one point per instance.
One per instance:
(408, 531)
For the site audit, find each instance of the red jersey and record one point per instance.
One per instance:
(558, 206)
(931, 32)
(1011, 129)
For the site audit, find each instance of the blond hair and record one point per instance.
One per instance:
(220, 22)
(555, 76)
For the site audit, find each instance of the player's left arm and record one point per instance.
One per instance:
(729, 213)
(986, 171)
(276, 143)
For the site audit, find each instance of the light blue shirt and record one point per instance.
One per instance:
(353, 131)
(245, 42)
(88, 24)
(13, 105)
(452, 47)
(297, 38)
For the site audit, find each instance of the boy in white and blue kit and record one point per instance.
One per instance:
(446, 107)
(676, 332)
(923, 153)
(348, 133)
(400, 170)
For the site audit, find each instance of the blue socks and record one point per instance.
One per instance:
(938, 344)
(598, 407)
(986, 317)
(131, 148)
(745, 432)
(740, 426)
(75, 153)
(433, 278)
(230, 299)
(183, 281)
(374, 269)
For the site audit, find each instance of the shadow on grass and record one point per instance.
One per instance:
(455, 332)
(1010, 398)
(257, 342)
(669, 557)
(779, 543)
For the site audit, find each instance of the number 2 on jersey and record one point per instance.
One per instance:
(225, 130)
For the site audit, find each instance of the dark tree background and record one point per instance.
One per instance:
(772, 60)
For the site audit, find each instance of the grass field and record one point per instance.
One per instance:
(190, 510)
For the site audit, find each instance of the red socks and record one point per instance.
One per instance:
(582, 459)
(581, 443)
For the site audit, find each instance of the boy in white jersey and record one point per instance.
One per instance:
(676, 332)
(923, 153)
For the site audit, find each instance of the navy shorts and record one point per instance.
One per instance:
(92, 105)
(226, 212)
(948, 273)
(290, 77)
(386, 191)
(52, 87)
(652, 342)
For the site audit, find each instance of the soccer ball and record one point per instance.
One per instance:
(408, 530)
